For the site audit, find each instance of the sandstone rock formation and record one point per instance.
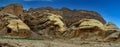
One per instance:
(110, 26)
(88, 22)
(15, 9)
(12, 25)
(76, 23)
(56, 23)
(112, 32)
(91, 29)
(49, 24)
(86, 29)
(70, 16)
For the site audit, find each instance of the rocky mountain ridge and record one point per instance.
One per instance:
(56, 24)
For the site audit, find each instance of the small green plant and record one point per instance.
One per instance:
(21, 38)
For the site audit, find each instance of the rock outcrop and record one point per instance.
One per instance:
(87, 22)
(56, 23)
(75, 23)
(86, 29)
(92, 29)
(70, 16)
(49, 24)
(13, 26)
(15, 9)
(112, 32)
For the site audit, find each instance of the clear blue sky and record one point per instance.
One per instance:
(109, 9)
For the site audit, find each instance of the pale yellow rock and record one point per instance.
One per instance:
(57, 19)
(88, 23)
(110, 26)
(17, 24)
(14, 26)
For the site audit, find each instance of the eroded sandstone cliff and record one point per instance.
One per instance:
(56, 23)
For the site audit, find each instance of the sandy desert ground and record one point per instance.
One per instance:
(55, 43)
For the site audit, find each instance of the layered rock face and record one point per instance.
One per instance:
(90, 29)
(68, 14)
(13, 26)
(46, 24)
(72, 16)
(15, 9)
(56, 23)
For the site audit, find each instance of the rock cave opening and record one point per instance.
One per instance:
(9, 30)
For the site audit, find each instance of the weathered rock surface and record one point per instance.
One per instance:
(56, 23)
(15, 9)
(12, 25)
(86, 29)
(87, 22)
(49, 24)
(70, 16)
(112, 32)
(91, 29)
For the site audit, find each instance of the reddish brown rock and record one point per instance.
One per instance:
(70, 16)
(15, 9)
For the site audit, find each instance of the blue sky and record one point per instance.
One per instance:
(109, 9)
